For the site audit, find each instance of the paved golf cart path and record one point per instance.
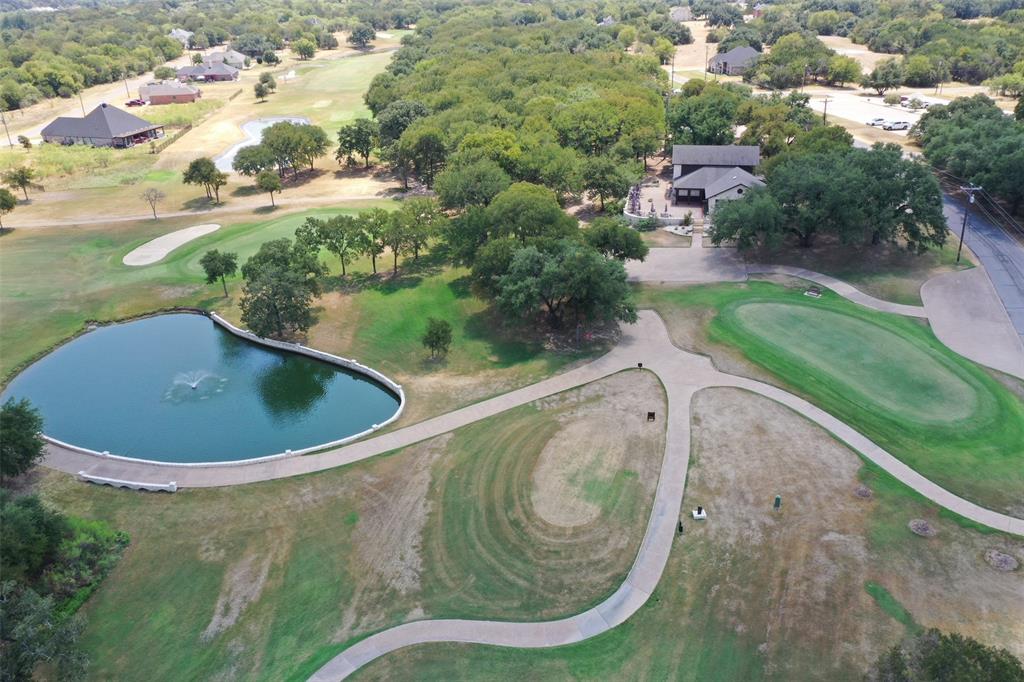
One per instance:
(963, 308)
(682, 373)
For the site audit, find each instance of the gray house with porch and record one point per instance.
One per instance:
(735, 62)
(703, 175)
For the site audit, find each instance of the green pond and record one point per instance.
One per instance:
(178, 388)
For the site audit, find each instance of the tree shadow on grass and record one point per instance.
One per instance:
(410, 275)
(462, 287)
(245, 191)
(198, 204)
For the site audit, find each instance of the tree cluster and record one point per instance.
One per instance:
(480, 96)
(48, 562)
(849, 196)
(973, 139)
(284, 146)
(934, 656)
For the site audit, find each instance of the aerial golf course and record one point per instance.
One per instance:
(572, 437)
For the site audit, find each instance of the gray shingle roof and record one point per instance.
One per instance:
(105, 122)
(732, 178)
(716, 155)
(744, 55)
(202, 70)
(166, 88)
(716, 179)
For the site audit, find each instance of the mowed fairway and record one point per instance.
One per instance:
(537, 512)
(885, 375)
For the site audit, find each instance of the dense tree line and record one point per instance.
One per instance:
(973, 139)
(49, 565)
(935, 44)
(839, 193)
(480, 96)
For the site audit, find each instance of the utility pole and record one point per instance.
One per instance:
(705, 62)
(963, 228)
(824, 113)
(81, 103)
(3, 119)
(129, 92)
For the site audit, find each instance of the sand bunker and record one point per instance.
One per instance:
(157, 249)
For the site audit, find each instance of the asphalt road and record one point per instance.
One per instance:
(1001, 254)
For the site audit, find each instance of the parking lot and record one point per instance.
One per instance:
(862, 109)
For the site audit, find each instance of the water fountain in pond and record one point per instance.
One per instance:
(197, 384)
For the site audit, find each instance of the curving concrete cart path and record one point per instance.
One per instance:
(647, 342)
(847, 291)
(157, 249)
(683, 374)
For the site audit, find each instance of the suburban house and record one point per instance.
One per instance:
(218, 71)
(168, 92)
(759, 9)
(104, 126)
(706, 174)
(680, 14)
(182, 36)
(607, 21)
(735, 62)
(232, 58)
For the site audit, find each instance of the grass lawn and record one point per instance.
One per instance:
(328, 90)
(56, 279)
(262, 581)
(886, 272)
(816, 591)
(886, 375)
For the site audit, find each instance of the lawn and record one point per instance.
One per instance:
(262, 581)
(888, 271)
(58, 278)
(816, 591)
(327, 90)
(886, 375)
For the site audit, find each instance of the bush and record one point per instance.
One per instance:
(647, 225)
(614, 207)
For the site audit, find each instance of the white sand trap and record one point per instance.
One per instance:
(157, 249)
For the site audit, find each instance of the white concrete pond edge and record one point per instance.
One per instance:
(297, 348)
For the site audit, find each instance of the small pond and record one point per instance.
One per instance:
(178, 388)
(253, 134)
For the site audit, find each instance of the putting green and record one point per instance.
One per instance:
(873, 364)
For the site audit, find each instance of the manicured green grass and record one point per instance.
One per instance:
(444, 528)
(392, 318)
(886, 375)
(56, 279)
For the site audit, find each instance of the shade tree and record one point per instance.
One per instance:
(21, 441)
(219, 265)
(359, 137)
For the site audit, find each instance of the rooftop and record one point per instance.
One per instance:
(737, 56)
(716, 155)
(105, 122)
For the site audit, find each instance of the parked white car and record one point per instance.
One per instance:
(877, 122)
(896, 125)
